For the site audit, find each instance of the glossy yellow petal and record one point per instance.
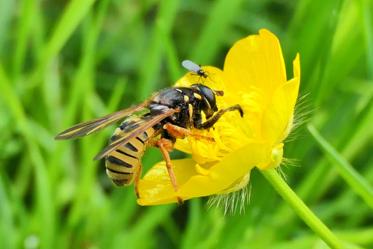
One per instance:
(155, 187)
(255, 63)
(278, 116)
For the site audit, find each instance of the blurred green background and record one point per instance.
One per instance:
(62, 62)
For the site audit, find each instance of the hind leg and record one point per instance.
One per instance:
(165, 146)
(136, 181)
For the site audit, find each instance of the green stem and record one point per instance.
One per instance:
(301, 209)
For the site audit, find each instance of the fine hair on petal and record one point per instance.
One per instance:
(302, 114)
(233, 202)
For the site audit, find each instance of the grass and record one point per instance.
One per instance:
(61, 63)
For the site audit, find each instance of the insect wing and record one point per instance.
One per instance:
(191, 66)
(137, 131)
(88, 127)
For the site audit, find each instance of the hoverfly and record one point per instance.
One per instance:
(170, 114)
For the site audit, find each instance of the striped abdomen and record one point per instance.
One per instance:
(123, 164)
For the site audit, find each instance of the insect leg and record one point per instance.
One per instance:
(136, 181)
(211, 121)
(165, 146)
(180, 132)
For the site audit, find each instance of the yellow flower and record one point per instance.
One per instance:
(254, 76)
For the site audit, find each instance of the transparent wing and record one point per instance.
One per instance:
(88, 127)
(191, 66)
(135, 132)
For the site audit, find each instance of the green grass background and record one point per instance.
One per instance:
(62, 62)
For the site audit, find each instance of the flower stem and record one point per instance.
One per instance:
(301, 209)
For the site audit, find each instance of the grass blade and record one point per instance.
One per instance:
(7, 228)
(71, 18)
(366, 8)
(162, 28)
(44, 202)
(219, 20)
(349, 174)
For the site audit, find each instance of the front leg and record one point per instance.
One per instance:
(136, 180)
(211, 121)
(180, 132)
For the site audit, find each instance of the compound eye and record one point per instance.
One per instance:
(209, 97)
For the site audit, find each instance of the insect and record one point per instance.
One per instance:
(168, 115)
(193, 67)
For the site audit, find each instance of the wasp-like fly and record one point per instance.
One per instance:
(168, 115)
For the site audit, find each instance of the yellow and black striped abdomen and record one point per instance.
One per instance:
(123, 164)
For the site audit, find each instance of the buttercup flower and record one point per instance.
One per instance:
(254, 77)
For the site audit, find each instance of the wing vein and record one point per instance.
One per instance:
(122, 140)
(89, 127)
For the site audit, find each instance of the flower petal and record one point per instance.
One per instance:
(278, 116)
(255, 62)
(155, 187)
(195, 181)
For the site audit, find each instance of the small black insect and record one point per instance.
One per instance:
(193, 67)
(166, 116)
